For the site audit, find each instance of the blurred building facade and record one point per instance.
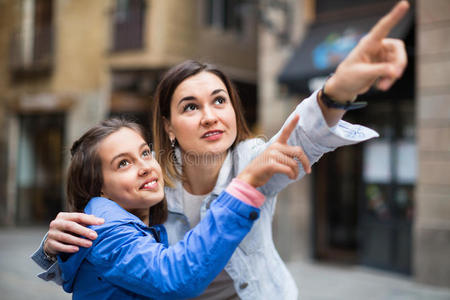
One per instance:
(384, 203)
(66, 64)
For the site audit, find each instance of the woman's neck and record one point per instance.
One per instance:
(201, 172)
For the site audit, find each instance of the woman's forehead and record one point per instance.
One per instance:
(203, 82)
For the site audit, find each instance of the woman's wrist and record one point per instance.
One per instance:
(50, 256)
(335, 92)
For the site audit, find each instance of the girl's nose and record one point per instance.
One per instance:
(145, 167)
(144, 171)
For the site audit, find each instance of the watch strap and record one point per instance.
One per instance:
(347, 105)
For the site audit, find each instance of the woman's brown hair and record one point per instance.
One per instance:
(161, 110)
(85, 178)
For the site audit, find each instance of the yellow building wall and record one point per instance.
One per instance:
(81, 39)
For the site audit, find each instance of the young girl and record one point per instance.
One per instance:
(122, 183)
(198, 120)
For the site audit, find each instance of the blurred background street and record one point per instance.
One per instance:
(317, 281)
(372, 221)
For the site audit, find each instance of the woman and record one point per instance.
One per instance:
(131, 259)
(202, 143)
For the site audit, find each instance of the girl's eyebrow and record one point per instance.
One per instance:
(126, 153)
(188, 98)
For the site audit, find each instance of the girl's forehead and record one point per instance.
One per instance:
(121, 140)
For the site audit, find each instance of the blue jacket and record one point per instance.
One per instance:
(129, 260)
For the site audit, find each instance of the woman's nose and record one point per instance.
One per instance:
(209, 118)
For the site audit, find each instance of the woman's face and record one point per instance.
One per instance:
(131, 176)
(202, 117)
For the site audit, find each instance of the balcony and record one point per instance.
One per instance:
(31, 55)
(128, 25)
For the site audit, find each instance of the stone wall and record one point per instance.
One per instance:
(432, 219)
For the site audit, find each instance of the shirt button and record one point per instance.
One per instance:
(243, 285)
(253, 215)
(51, 276)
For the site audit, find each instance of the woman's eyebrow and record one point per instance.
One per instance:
(217, 91)
(187, 98)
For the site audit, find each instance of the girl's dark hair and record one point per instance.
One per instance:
(85, 178)
(161, 110)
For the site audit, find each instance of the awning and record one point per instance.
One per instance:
(325, 46)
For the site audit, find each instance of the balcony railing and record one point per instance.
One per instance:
(32, 55)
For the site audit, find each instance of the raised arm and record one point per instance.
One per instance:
(376, 60)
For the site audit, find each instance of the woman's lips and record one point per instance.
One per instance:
(212, 135)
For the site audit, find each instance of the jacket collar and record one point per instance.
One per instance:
(111, 212)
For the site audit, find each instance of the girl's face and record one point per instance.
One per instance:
(131, 176)
(202, 117)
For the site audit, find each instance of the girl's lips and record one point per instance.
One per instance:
(212, 135)
(151, 184)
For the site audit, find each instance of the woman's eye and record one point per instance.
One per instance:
(220, 100)
(189, 107)
(123, 163)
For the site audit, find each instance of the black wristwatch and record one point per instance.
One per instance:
(347, 105)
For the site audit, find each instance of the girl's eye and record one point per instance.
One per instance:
(189, 107)
(123, 163)
(220, 100)
(146, 153)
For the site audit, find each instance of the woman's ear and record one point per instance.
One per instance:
(168, 129)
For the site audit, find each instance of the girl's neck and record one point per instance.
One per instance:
(142, 214)
(201, 172)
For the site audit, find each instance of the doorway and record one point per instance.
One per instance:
(40, 168)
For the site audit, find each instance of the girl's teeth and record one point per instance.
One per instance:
(150, 183)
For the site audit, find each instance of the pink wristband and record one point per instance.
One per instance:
(245, 192)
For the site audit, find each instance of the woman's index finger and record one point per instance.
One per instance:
(382, 28)
(287, 130)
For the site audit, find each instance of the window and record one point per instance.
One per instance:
(32, 45)
(128, 25)
(224, 14)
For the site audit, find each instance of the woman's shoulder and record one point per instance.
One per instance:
(250, 144)
(246, 151)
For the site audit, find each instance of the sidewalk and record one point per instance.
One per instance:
(316, 281)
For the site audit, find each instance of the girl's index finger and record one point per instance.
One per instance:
(386, 23)
(287, 130)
